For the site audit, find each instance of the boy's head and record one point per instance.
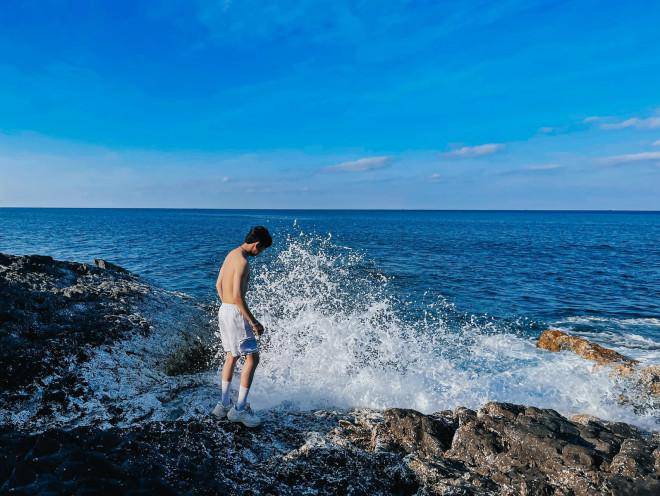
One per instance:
(259, 239)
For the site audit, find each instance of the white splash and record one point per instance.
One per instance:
(337, 336)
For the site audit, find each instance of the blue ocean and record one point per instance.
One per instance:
(421, 309)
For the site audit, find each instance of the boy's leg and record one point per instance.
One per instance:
(227, 374)
(250, 365)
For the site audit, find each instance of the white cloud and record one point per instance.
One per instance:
(435, 177)
(656, 143)
(593, 118)
(635, 122)
(361, 165)
(630, 158)
(225, 179)
(475, 151)
(546, 130)
(534, 169)
(542, 167)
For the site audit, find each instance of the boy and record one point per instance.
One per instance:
(238, 326)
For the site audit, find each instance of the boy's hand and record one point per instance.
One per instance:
(258, 328)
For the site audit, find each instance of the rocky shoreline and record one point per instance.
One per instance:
(52, 311)
(94, 366)
(500, 449)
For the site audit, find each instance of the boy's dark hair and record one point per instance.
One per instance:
(260, 234)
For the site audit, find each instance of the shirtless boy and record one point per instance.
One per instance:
(238, 326)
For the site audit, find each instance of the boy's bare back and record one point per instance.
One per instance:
(233, 277)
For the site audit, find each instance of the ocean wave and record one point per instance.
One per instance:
(339, 336)
(641, 321)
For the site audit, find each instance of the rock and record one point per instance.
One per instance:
(642, 385)
(71, 335)
(533, 450)
(56, 315)
(193, 355)
(649, 379)
(104, 264)
(409, 430)
(554, 340)
(51, 308)
(502, 449)
(634, 459)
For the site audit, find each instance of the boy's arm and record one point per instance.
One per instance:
(240, 300)
(218, 284)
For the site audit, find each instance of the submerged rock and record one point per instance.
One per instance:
(501, 449)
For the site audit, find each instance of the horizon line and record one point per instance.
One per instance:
(340, 209)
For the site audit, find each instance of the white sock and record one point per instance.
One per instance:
(242, 397)
(226, 399)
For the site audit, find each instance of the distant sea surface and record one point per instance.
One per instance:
(543, 266)
(502, 276)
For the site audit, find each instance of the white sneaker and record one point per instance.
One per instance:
(220, 410)
(246, 416)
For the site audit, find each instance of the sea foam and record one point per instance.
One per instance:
(337, 334)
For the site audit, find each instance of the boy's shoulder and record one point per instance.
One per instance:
(236, 256)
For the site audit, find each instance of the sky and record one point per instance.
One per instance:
(511, 104)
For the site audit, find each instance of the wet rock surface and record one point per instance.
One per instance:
(59, 323)
(641, 384)
(555, 340)
(52, 311)
(500, 449)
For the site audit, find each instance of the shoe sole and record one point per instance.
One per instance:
(239, 421)
(222, 415)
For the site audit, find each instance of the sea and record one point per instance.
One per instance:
(418, 309)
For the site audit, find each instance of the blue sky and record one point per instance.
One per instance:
(244, 104)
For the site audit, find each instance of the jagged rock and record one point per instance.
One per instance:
(643, 384)
(55, 315)
(649, 379)
(193, 355)
(502, 449)
(104, 264)
(51, 310)
(533, 451)
(554, 340)
(410, 431)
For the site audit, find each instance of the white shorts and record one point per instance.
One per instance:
(235, 332)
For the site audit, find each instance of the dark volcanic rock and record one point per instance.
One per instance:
(51, 310)
(286, 456)
(535, 451)
(104, 264)
(412, 431)
(503, 449)
(83, 345)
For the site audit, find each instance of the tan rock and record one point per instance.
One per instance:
(554, 340)
(645, 381)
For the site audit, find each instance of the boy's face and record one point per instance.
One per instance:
(256, 249)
